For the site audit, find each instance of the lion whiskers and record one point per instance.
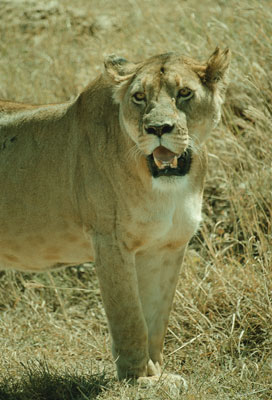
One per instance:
(133, 153)
(146, 146)
(196, 148)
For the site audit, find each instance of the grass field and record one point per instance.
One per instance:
(53, 334)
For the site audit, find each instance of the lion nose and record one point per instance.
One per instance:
(159, 130)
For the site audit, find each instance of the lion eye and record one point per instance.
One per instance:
(139, 96)
(185, 93)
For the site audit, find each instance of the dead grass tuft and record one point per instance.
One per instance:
(40, 382)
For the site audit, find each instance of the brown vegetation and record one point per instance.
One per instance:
(220, 332)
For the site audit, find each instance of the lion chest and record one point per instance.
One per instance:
(168, 224)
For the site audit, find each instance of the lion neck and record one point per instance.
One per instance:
(109, 144)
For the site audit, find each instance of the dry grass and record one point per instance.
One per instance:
(220, 335)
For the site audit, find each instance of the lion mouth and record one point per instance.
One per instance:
(163, 162)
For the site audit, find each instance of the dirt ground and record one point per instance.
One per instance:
(54, 338)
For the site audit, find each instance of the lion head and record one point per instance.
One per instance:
(168, 105)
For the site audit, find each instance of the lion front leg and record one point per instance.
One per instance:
(119, 288)
(157, 279)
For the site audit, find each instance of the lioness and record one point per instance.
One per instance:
(116, 177)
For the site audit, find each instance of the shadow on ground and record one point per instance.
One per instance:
(39, 382)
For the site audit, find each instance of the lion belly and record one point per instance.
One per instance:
(44, 250)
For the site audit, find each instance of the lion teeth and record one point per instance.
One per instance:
(174, 164)
(159, 163)
(163, 164)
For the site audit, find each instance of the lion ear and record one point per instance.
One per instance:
(118, 68)
(217, 66)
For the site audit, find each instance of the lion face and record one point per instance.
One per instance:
(168, 105)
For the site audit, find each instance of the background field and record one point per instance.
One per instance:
(54, 340)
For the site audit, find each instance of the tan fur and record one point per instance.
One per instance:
(76, 187)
